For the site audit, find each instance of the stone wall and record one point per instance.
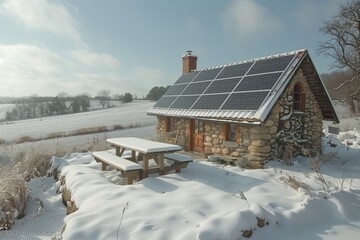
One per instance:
(302, 128)
(258, 142)
(180, 134)
(253, 144)
(263, 138)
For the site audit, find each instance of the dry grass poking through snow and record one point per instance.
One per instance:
(13, 178)
(77, 132)
(20, 167)
(12, 201)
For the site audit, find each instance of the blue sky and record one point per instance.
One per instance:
(53, 46)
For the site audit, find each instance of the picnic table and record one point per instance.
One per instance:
(142, 149)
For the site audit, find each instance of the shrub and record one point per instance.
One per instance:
(31, 165)
(12, 201)
(24, 139)
(89, 130)
(13, 189)
(117, 127)
(56, 135)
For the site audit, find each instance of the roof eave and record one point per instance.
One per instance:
(265, 110)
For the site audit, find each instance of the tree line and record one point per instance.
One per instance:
(37, 106)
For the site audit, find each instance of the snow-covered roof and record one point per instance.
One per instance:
(244, 91)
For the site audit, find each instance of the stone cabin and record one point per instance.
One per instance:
(251, 110)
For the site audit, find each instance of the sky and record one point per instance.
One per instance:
(50, 46)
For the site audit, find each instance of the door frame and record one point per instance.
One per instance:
(193, 134)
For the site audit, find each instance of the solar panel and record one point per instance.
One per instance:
(258, 82)
(184, 102)
(164, 102)
(245, 101)
(209, 74)
(235, 70)
(210, 101)
(242, 86)
(271, 65)
(223, 86)
(196, 88)
(175, 89)
(187, 77)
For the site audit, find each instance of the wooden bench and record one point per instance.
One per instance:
(228, 159)
(242, 163)
(129, 169)
(180, 160)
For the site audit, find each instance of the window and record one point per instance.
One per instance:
(299, 97)
(198, 126)
(170, 124)
(231, 132)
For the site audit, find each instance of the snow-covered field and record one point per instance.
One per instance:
(205, 201)
(125, 115)
(94, 104)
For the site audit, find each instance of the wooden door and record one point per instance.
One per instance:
(197, 135)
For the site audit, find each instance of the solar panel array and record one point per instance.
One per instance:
(242, 86)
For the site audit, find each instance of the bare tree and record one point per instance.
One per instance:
(343, 46)
(84, 101)
(332, 80)
(58, 103)
(104, 97)
(33, 102)
(22, 109)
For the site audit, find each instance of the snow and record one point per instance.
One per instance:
(143, 145)
(210, 201)
(125, 115)
(205, 201)
(178, 157)
(44, 213)
(117, 161)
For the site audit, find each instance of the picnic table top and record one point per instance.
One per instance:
(143, 145)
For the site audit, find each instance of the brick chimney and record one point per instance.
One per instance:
(189, 62)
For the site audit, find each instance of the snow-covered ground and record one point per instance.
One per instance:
(126, 114)
(205, 201)
(44, 213)
(94, 104)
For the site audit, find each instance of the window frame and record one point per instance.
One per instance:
(232, 128)
(169, 124)
(298, 97)
(198, 126)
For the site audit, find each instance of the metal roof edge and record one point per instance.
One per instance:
(279, 87)
(254, 59)
(234, 115)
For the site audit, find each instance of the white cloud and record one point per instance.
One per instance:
(30, 58)
(27, 69)
(246, 18)
(30, 69)
(95, 59)
(139, 81)
(44, 15)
